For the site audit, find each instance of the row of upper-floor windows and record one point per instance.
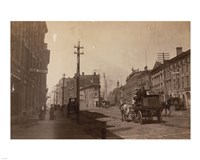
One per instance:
(28, 30)
(21, 54)
(24, 55)
(178, 83)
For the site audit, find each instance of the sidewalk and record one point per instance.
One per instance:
(59, 128)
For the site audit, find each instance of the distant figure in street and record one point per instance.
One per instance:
(51, 113)
(42, 113)
(176, 104)
(62, 108)
(167, 106)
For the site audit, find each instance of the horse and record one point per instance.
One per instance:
(125, 110)
(166, 106)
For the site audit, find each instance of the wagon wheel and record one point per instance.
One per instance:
(150, 118)
(159, 118)
(138, 117)
(134, 115)
(125, 117)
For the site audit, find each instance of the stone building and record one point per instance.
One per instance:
(173, 77)
(136, 80)
(157, 79)
(89, 90)
(62, 96)
(29, 61)
(177, 72)
(89, 97)
(115, 95)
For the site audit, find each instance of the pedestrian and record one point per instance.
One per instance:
(168, 106)
(51, 113)
(42, 112)
(176, 105)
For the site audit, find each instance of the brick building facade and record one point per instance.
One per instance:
(173, 77)
(89, 90)
(136, 80)
(29, 61)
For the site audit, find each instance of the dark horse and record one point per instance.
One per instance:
(166, 106)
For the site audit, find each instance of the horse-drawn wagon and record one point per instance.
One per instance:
(148, 108)
(71, 106)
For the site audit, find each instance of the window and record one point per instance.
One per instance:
(178, 83)
(182, 69)
(188, 81)
(182, 82)
(174, 83)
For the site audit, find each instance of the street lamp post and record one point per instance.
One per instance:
(78, 47)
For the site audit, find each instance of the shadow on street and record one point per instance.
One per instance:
(93, 125)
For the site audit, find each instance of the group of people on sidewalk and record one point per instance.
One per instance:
(42, 113)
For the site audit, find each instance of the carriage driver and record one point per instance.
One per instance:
(121, 103)
(134, 100)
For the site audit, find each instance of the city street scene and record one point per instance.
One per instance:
(100, 80)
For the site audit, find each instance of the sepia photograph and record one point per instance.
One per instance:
(100, 80)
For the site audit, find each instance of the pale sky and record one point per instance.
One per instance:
(112, 48)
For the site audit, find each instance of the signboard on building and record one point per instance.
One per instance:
(45, 71)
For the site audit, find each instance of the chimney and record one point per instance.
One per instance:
(178, 50)
(117, 84)
(82, 73)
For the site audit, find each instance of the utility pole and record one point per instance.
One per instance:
(56, 94)
(105, 87)
(54, 97)
(78, 47)
(63, 92)
(162, 57)
(145, 58)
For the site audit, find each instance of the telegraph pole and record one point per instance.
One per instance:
(63, 92)
(162, 57)
(54, 97)
(78, 47)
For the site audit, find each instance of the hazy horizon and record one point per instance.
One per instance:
(112, 48)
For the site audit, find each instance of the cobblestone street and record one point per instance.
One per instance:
(177, 126)
(105, 123)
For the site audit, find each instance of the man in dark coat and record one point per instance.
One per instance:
(139, 96)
